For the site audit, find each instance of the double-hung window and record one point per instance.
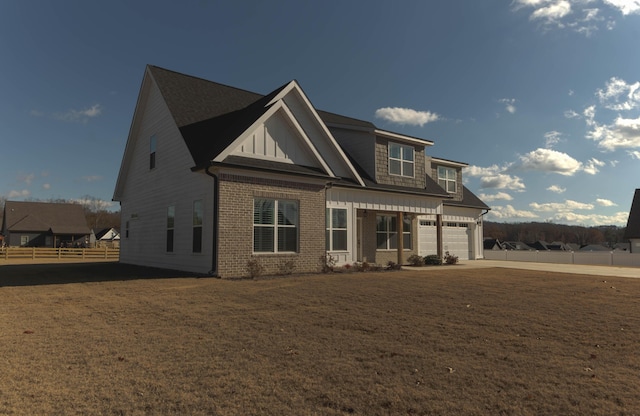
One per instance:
(198, 219)
(447, 179)
(336, 229)
(275, 226)
(401, 160)
(387, 232)
(171, 218)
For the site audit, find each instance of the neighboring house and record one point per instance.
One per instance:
(42, 224)
(107, 237)
(632, 232)
(214, 177)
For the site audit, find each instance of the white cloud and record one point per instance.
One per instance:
(493, 177)
(92, 178)
(552, 138)
(18, 194)
(571, 114)
(509, 104)
(548, 160)
(94, 203)
(634, 154)
(591, 167)
(500, 196)
(565, 206)
(626, 7)
(508, 211)
(46, 186)
(605, 203)
(583, 16)
(27, 178)
(79, 115)
(590, 114)
(619, 218)
(619, 95)
(623, 133)
(556, 189)
(406, 116)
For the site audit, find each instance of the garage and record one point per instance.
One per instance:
(455, 239)
(427, 238)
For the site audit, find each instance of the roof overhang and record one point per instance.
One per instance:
(449, 162)
(404, 138)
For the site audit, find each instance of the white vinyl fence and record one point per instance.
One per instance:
(603, 258)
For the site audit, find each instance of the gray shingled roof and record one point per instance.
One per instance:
(43, 217)
(633, 223)
(469, 200)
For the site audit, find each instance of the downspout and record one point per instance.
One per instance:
(216, 199)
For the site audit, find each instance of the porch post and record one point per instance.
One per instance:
(439, 235)
(399, 236)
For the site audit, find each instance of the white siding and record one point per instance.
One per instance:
(381, 201)
(276, 139)
(146, 194)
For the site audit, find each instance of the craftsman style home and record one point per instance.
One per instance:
(44, 224)
(214, 177)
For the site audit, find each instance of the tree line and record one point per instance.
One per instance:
(528, 232)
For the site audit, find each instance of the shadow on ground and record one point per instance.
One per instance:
(52, 274)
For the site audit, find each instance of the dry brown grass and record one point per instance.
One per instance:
(443, 340)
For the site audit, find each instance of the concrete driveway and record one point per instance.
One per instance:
(552, 267)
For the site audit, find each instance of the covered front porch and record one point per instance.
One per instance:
(375, 227)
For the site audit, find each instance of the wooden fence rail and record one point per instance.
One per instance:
(34, 253)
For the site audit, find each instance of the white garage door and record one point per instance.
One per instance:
(427, 238)
(455, 239)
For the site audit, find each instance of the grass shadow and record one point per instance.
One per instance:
(56, 273)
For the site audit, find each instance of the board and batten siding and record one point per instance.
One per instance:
(148, 193)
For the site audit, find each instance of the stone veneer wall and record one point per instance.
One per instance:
(236, 225)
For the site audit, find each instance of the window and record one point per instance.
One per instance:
(24, 240)
(152, 152)
(198, 215)
(447, 178)
(171, 217)
(387, 232)
(401, 160)
(336, 229)
(275, 226)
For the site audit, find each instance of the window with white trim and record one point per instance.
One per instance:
(387, 232)
(401, 160)
(336, 229)
(447, 178)
(275, 226)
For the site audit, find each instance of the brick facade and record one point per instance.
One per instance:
(236, 225)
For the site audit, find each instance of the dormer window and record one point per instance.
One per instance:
(447, 179)
(401, 160)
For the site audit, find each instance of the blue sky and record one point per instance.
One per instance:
(540, 97)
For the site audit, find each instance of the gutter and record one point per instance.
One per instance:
(216, 199)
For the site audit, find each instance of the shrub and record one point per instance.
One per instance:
(327, 263)
(254, 268)
(287, 267)
(450, 258)
(433, 259)
(416, 260)
(393, 266)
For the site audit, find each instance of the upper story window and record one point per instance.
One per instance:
(153, 142)
(401, 160)
(447, 178)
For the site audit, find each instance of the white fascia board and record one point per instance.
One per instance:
(294, 85)
(402, 137)
(277, 106)
(449, 162)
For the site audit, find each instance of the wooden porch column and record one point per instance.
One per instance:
(439, 235)
(400, 229)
